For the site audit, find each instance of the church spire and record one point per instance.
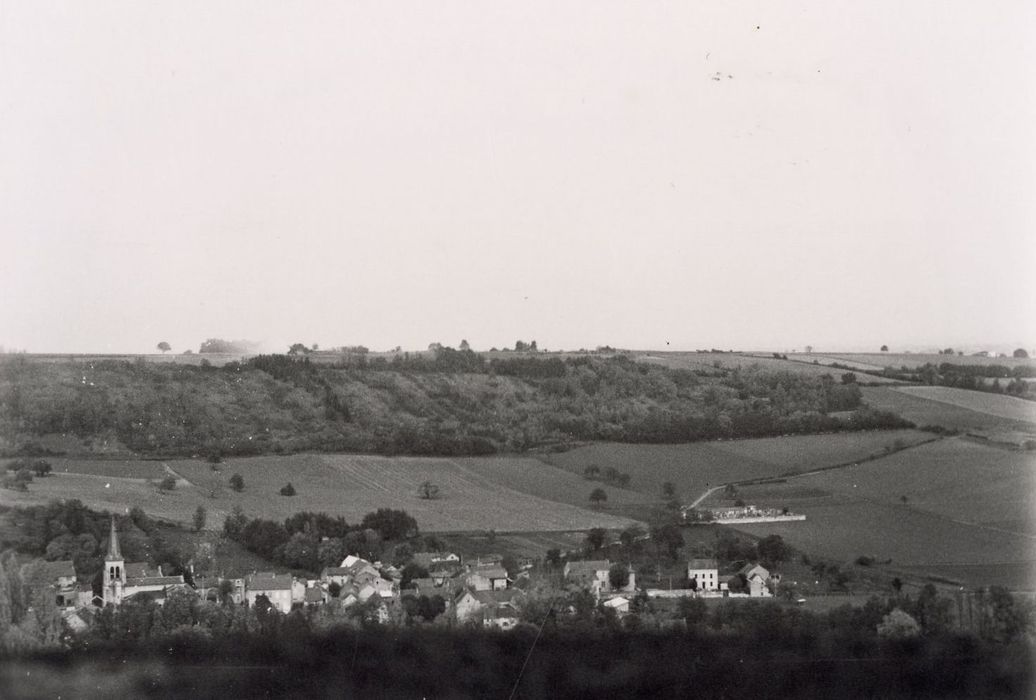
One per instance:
(113, 544)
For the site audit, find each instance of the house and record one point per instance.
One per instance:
(276, 587)
(594, 575)
(313, 596)
(62, 575)
(704, 573)
(490, 608)
(756, 579)
(487, 578)
(335, 574)
(619, 604)
(122, 580)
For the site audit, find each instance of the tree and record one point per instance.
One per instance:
(598, 496)
(464, 345)
(288, 490)
(391, 524)
(668, 490)
(199, 518)
(428, 490)
(164, 346)
(168, 483)
(592, 471)
(595, 538)
(884, 348)
(41, 467)
(410, 572)
(771, 550)
(1021, 352)
(898, 625)
(618, 576)
(667, 537)
(237, 482)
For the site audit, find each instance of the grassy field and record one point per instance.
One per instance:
(726, 360)
(924, 411)
(912, 360)
(476, 494)
(695, 467)
(121, 468)
(1009, 407)
(953, 508)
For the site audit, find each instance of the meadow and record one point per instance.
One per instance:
(695, 467)
(1009, 407)
(921, 410)
(914, 360)
(474, 494)
(711, 361)
(955, 508)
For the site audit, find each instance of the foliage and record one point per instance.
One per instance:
(237, 482)
(598, 496)
(428, 490)
(618, 576)
(287, 490)
(198, 521)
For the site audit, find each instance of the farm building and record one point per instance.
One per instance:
(705, 574)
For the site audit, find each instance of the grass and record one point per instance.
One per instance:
(125, 469)
(695, 467)
(912, 360)
(1009, 407)
(476, 494)
(924, 411)
(968, 513)
(725, 360)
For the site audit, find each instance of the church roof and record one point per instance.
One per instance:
(113, 544)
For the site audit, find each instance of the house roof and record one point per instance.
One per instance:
(335, 571)
(153, 581)
(490, 571)
(616, 602)
(747, 569)
(698, 564)
(140, 569)
(268, 581)
(497, 597)
(314, 595)
(61, 568)
(587, 568)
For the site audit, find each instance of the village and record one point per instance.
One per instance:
(479, 592)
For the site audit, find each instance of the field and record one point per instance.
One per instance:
(476, 494)
(1009, 407)
(912, 360)
(953, 508)
(924, 411)
(695, 467)
(726, 360)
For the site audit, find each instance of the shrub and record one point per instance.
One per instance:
(288, 490)
(168, 483)
(237, 482)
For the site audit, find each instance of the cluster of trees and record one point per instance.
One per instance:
(412, 405)
(310, 541)
(609, 475)
(20, 472)
(971, 377)
(68, 530)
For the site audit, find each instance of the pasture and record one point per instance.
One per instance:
(695, 467)
(924, 411)
(999, 405)
(953, 508)
(712, 361)
(914, 360)
(475, 494)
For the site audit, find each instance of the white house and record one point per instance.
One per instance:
(705, 573)
(276, 587)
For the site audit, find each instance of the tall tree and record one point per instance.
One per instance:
(598, 496)
(164, 346)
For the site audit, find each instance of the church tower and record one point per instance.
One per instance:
(114, 569)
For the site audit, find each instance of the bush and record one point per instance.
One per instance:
(288, 490)
(168, 483)
(237, 482)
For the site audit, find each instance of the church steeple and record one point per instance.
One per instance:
(113, 544)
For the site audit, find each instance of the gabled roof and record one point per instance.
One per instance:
(268, 581)
(587, 568)
(314, 595)
(698, 564)
(140, 569)
(747, 569)
(153, 581)
(490, 571)
(497, 597)
(335, 571)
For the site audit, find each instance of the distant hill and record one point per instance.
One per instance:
(444, 403)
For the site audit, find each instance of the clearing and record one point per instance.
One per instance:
(475, 494)
(696, 467)
(953, 508)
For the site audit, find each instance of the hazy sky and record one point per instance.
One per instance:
(704, 174)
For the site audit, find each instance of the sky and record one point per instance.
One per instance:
(645, 175)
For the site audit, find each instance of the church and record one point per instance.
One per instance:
(123, 581)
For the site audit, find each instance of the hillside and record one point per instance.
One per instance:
(451, 403)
